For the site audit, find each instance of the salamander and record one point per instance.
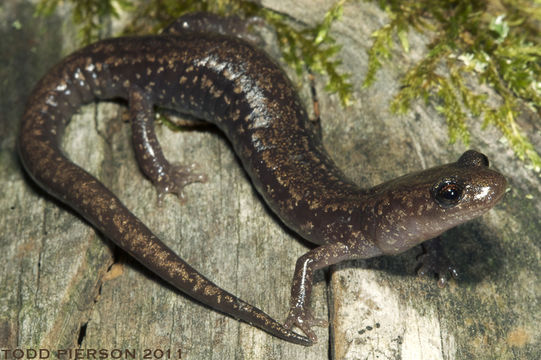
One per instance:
(230, 83)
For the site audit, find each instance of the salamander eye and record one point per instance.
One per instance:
(448, 193)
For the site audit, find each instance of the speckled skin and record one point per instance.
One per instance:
(227, 82)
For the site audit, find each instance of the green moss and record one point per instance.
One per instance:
(87, 14)
(313, 48)
(495, 43)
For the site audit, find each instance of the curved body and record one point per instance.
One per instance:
(227, 82)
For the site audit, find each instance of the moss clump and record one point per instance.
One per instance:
(88, 14)
(495, 41)
(313, 48)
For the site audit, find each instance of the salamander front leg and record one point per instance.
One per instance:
(434, 260)
(167, 177)
(301, 290)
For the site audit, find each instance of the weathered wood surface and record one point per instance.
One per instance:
(65, 287)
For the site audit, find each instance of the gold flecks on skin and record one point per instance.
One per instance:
(227, 74)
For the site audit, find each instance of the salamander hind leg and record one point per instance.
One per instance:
(167, 177)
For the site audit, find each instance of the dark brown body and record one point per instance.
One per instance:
(229, 83)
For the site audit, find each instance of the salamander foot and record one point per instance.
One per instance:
(435, 261)
(304, 320)
(176, 178)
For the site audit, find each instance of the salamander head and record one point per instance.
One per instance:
(422, 205)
